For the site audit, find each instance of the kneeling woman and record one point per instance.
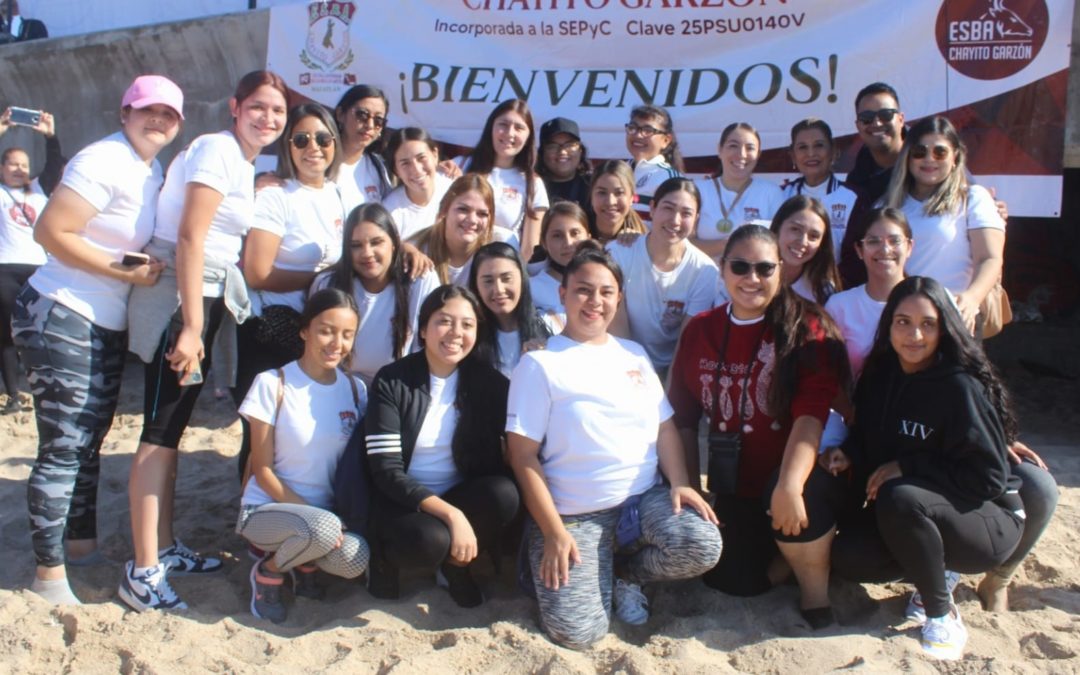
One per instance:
(434, 445)
(929, 445)
(301, 418)
(610, 477)
(764, 369)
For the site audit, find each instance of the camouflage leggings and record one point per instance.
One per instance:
(74, 369)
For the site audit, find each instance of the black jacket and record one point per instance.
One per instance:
(397, 403)
(940, 426)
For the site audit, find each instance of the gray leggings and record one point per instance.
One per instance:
(74, 368)
(300, 534)
(672, 546)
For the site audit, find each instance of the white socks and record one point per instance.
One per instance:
(55, 591)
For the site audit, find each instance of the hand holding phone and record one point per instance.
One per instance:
(25, 117)
(135, 258)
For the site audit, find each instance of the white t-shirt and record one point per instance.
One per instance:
(803, 288)
(432, 461)
(649, 175)
(360, 183)
(857, 316)
(545, 295)
(373, 346)
(19, 211)
(309, 221)
(310, 430)
(411, 218)
(509, 188)
(509, 350)
(459, 276)
(597, 410)
(942, 249)
(123, 189)
(214, 160)
(658, 302)
(840, 203)
(759, 203)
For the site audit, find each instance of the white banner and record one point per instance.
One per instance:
(446, 63)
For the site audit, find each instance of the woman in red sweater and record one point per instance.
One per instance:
(763, 369)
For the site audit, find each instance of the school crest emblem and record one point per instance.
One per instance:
(328, 46)
(839, 215)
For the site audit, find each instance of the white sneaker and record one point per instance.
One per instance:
(151, 591)
(631, 605)
(945, 637)
(915, 610)
(182, 560)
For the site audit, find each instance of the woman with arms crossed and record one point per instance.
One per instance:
(610, 477)
(70, 320)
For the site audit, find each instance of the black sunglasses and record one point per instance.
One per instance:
(323, 139)
(884, 115)
(939, 152)
(741, 268)
(363, 117)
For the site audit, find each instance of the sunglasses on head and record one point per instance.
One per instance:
(939, 152)
(741, 268)
(323, 139)
(363, 117)
(884, 115)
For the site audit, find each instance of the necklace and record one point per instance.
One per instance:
(725, 225)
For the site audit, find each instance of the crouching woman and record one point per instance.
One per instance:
(610, 501)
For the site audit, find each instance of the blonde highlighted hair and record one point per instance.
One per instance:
(432, 240)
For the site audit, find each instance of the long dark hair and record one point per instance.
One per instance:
(482, 158)
(358, 93)
(592, 251)
(728, 130)
(529, 326)
(469, 434)
(343, 272)
(285, 167)
(793, 319)
(955, 345)
(820, 270)
(403, 136)
(323, 300)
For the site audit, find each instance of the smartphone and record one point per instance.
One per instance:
(189, 378)
(134, 258)
(25, 116)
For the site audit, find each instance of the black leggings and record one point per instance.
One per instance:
(166, 405)
(750, 541)
(12, 278)
(413, 539)
(917, 533)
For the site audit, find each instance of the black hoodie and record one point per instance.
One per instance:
(941, 427)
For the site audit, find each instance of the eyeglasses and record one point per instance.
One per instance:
(892, 241)
(645, 130)
(741, 268)
(365, 116)
(323, 139)
(939, 152)
(884, 115)
(569, 146)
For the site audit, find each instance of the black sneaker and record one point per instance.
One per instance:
(182, 560)
(382, 580)
(306, 583)
(460, 583)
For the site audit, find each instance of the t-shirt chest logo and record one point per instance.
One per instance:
(510, 194)
(348, 422)
(839, 215)
(23, 214)
(916, 430)
(752, 213)
(372, 192)
(636, 378)
(672, 318)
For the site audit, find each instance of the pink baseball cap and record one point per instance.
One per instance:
(147, 90)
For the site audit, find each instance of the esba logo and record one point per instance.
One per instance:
(991, 39)
(327, 46)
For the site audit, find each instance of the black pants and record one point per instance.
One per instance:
(917, 533)
(12, 278)
(253, 357)
(750, 540)
(414, 539)
(166, 405)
